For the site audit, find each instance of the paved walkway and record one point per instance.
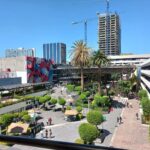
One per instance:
(131, 134)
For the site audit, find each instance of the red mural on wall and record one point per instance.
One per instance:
(39, 69)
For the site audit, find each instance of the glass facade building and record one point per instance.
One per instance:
(55, 52)
(20, 52)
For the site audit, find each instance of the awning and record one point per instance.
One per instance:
(18, 127)
(71, 112)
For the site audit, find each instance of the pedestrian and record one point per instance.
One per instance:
(47, 122)
(120, 119)
(137, 116)
(50, 133)
(46, 133)
(41, 132)
(50, 121)
(127, 104)
(117, 119)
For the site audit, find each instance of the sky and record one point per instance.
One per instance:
(31, 23)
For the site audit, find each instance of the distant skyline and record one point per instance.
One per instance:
(31, 23)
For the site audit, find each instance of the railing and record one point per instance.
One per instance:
(51, 144)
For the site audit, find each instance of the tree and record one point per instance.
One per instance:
(26, 118)
(62, 102)
(88, 133)
(80, 57)
(125, 87)
(99, 59)
(95, 117)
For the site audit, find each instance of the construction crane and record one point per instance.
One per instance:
(85, 26)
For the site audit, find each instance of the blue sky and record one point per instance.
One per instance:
(30, 23)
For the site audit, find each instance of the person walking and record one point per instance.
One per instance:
(137, 116)
(127, 104)
(50, 133)
(50, 121)
(117, 119)
(120, 119)
(46, 133)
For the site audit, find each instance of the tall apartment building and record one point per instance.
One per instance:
(55, 52)
(109, 34)
(20, 52)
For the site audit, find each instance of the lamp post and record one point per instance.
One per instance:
(107, 87)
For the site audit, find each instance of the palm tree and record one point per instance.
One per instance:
(80, 57)
(99, 59)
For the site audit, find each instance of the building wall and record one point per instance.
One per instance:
(109, 34)
(30, 69)
(129, 59)
(55, 52)
(13, 64)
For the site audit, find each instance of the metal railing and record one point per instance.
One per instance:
(51, 144)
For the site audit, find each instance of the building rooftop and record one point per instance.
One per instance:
(129, 56)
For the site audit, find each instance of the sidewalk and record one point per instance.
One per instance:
(131, 134)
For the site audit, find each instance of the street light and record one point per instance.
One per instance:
(107, 87)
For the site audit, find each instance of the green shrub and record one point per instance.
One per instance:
(83, 97)
(68, 107)
(146, 107)
(142, 93)
(79, 116)
(95, 117)
(79, 109)
(87, 93)
(85, 105)
(62, 102)
(53, 101)
(26, 118)
(77, 88)
(78, 102)
(70, 87)
(102, 100)
(42, 100)
(47, 97)
(88, 133)
(79, 141)
(21, 114)
(6, 119)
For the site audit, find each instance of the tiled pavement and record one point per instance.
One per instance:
(131, 134)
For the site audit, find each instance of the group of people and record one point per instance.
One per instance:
(46, 133)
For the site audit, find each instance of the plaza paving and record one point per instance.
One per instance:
(131, 134)
(68, 131)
